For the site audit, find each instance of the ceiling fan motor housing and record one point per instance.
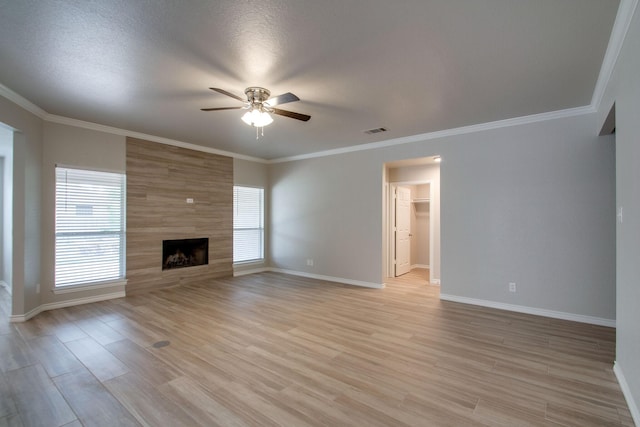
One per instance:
(257, 95)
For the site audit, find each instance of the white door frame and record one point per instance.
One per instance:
(391, 216)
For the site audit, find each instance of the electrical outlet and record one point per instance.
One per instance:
(189, 200)
(310, 262)
(620, 214)
(512, 286)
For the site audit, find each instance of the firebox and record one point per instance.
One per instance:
(185, 253)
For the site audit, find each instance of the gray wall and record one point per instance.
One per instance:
(330, 210)
(624, 90)
(531, 203)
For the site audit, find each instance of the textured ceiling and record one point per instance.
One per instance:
(412, 66)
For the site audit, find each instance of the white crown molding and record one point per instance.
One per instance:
(327, 278)
(516, 121)
(22, 102)
(54, 305)
(531, 310)
(127, 133)
(618, 34)
(12, 96)
(626, 391)
(34, 109)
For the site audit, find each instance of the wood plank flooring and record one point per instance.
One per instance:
(276, 350)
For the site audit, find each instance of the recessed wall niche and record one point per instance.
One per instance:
(160, 179)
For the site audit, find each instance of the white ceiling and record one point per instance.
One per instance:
(411, 66)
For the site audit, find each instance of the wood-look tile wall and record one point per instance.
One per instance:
(159, 180)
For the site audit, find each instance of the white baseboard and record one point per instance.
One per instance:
(329, 278)
(62, 304)
(626, 391)
(420, 266)
(531, 310)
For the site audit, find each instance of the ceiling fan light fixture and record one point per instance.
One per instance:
(256, 117)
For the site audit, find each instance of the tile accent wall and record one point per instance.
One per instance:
(160, 179)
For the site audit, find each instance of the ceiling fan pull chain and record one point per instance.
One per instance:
(257, 137)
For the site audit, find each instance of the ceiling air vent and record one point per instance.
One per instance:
(376, 130)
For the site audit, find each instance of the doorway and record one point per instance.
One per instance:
(411, 218)
(6, 218)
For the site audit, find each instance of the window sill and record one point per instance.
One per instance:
(89, 286)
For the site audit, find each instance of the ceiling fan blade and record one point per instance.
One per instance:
(291, 114)
(221, 108)
(224, 92)
(282, 99)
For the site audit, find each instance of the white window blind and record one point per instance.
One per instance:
(90, 226)
(248, 224)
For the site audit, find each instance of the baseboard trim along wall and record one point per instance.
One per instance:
(531, 310)
(53, 305)
(420, 266)
(626, 391)
(328, 278)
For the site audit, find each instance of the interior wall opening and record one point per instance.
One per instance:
(411, 218)
(6, 218)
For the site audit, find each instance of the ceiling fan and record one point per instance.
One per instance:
(259, 106)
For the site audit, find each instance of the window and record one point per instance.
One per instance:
(90, 226)
(248, 224)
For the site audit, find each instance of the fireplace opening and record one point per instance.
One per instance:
(185, 253)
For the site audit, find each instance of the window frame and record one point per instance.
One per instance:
(120, 280)
(261, 228)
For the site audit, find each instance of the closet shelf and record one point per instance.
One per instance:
(421, 200)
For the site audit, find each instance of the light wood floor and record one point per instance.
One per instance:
(277, 350)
